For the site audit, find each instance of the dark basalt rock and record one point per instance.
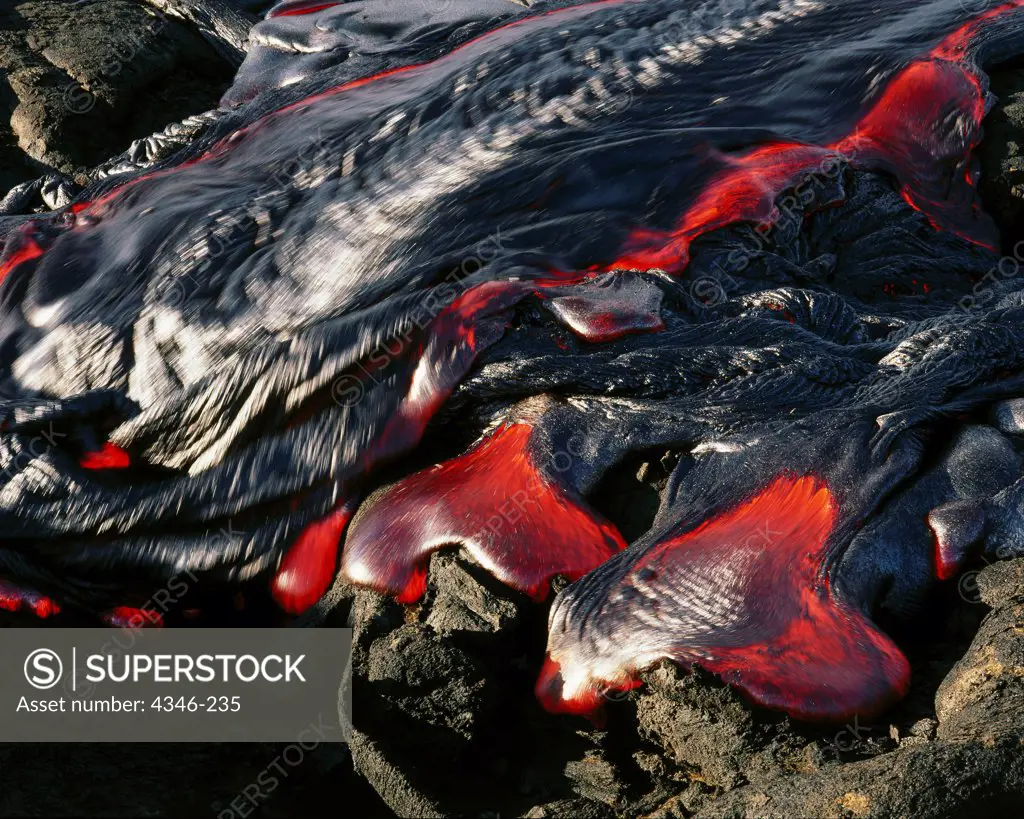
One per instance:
(1002, 156)
(444, 728)
(445, 680)
(982, 698)
(971, 765)
(80, 81)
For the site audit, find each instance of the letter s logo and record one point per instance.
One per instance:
(43, 668)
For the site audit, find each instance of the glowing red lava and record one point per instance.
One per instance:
(781, 635)
(497, 504)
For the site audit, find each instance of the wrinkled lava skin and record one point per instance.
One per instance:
(433, 274)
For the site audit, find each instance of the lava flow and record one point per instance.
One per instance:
(743, 596)
(437, 281)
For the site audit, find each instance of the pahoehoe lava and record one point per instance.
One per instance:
(426, 284)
